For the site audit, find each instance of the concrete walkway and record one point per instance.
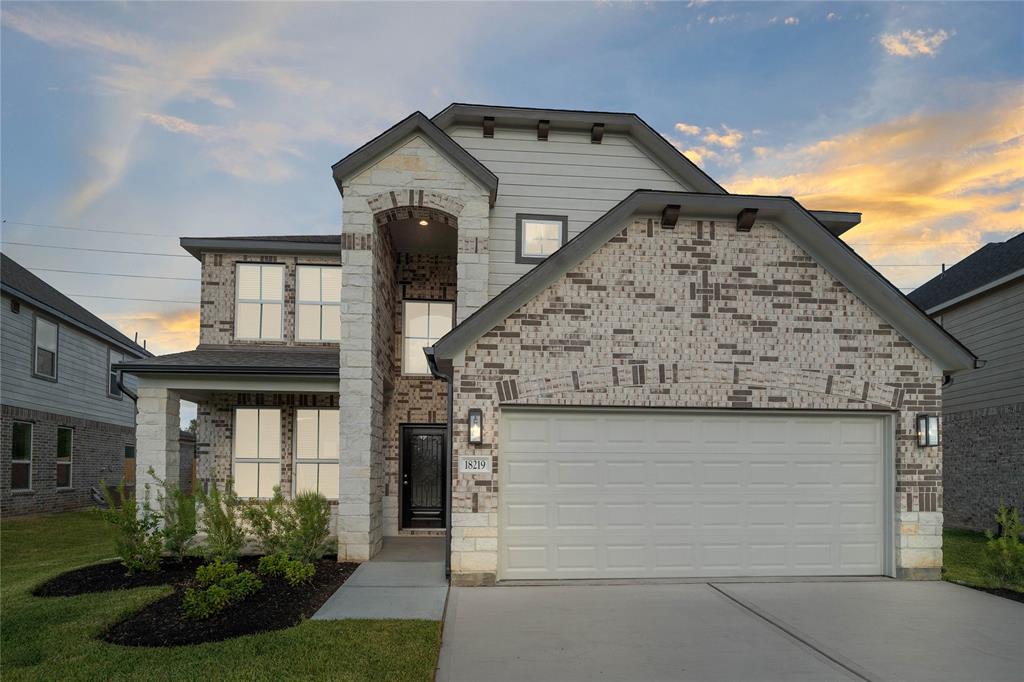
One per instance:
(404, 581)
(878, 630)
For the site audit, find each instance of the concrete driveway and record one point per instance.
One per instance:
(859, 630)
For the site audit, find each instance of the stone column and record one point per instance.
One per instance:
(157, 430)
(473, 265)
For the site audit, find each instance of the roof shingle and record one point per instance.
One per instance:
(987, 264)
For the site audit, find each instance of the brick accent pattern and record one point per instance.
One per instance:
(217, 298)
(697, 316)
(97, 455)
(984, 464)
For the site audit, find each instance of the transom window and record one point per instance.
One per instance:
(45, 362)
(113, 357)
(260, 294)
(424, 322)
(318, 303)
(21, 456)
(257, 451)
(316, 452)
(539, 236)
(65, 441)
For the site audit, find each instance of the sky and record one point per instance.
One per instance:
(153, 121)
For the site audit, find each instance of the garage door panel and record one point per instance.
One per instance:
(769, 495)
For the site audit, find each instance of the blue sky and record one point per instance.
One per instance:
(205, 119)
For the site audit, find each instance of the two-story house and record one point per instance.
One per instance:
(562, 344)
(67, 422)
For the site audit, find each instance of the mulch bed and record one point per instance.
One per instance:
(1000, 592)
(276, 606)
(113, 576)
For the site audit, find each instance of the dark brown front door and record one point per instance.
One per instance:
(423, 476)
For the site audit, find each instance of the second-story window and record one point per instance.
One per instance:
(423, 323)
(539, 236)
(113, 357)
(45, 360)
(260, 301)
(318, 303)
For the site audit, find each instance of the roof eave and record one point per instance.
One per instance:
(199, 245)
(139, 369)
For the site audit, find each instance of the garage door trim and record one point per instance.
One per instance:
(888, 427)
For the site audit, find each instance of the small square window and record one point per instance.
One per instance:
(539, 236)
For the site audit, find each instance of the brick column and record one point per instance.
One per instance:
(157, 430)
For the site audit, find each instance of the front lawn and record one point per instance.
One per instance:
(962, 552)
(48, 638)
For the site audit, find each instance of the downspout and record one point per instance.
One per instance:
(438, 374)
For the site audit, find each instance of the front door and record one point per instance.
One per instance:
(423, 476)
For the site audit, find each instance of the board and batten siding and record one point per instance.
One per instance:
(82, 373)
(566, 175)
(992, 326)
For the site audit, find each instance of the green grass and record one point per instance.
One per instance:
(962, 552)
(55, 638)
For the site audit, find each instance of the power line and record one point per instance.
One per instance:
(118, 274)
(82, 248)
(87, 229)
(128, 298)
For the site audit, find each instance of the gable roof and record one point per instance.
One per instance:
(799, 224)
(990, 266)
(310, 244)
(415, 123)
(22, 284)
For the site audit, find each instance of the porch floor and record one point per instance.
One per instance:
(404, 581)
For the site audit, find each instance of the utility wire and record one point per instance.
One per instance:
(82, 248)
(88, 229)
(128, 298)
(118, 274)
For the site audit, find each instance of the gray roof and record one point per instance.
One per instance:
(989, 265)
(800, 225)
(258, 360)
(20, 283)
(310, 244)
(416, 122)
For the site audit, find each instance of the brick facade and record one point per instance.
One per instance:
(97, 456)
(984, 464)
(698, 316)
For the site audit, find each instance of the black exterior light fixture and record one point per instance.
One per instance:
(476, 426)
(927, 430)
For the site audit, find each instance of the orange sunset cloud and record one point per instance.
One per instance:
(165, 332)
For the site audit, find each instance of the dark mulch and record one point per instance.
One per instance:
(999, 592)
(277, 606)
(113, 576)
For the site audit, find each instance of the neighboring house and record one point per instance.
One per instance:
(569, 376)
(67, 423)
(981, 301)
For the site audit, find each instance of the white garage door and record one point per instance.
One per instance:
(640, 493)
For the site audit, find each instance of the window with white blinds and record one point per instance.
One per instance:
(318, 303)
(259, 304)
(257, 451)
(316, 452)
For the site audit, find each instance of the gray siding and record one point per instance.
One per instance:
(992, 326)
(567, 175)
(81, 386)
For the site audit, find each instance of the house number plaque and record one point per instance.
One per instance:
(469, 464)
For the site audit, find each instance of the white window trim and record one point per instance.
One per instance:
(323, 304)
(259, 461)
(31, 447)
(110, 372)
(261, 301)
(427, 341)
(71, 458)
(35, 349)
(319, 460)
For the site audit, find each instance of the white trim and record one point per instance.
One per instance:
(976, 292)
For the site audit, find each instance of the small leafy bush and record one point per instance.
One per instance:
(221, 584)
(138, 539)
(294, 572)
(308, 527)
(179, 515)
(1004, 552)
(221, 521)
(268, 522)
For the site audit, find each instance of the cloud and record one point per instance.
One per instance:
(832, 16)
(914, 43)
(170, 331)
(791, 21)
(687, 129)
(730, 138)
(937, 181)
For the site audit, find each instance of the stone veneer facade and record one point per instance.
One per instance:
(97, 456)
(699, 316)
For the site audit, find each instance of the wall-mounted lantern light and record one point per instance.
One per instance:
(423, 222)
(927, 430)
(476, 426)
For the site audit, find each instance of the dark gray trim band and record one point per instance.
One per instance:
(221, 369)
(198, 245)
(416, 122)
(520, 217)
(800, 225)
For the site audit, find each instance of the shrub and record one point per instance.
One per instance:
(137, 540)
(221, 521)
(267, 521)
(294, 572)
(221, 584)
(308, 527)
(1004, 552)
(179, 514)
